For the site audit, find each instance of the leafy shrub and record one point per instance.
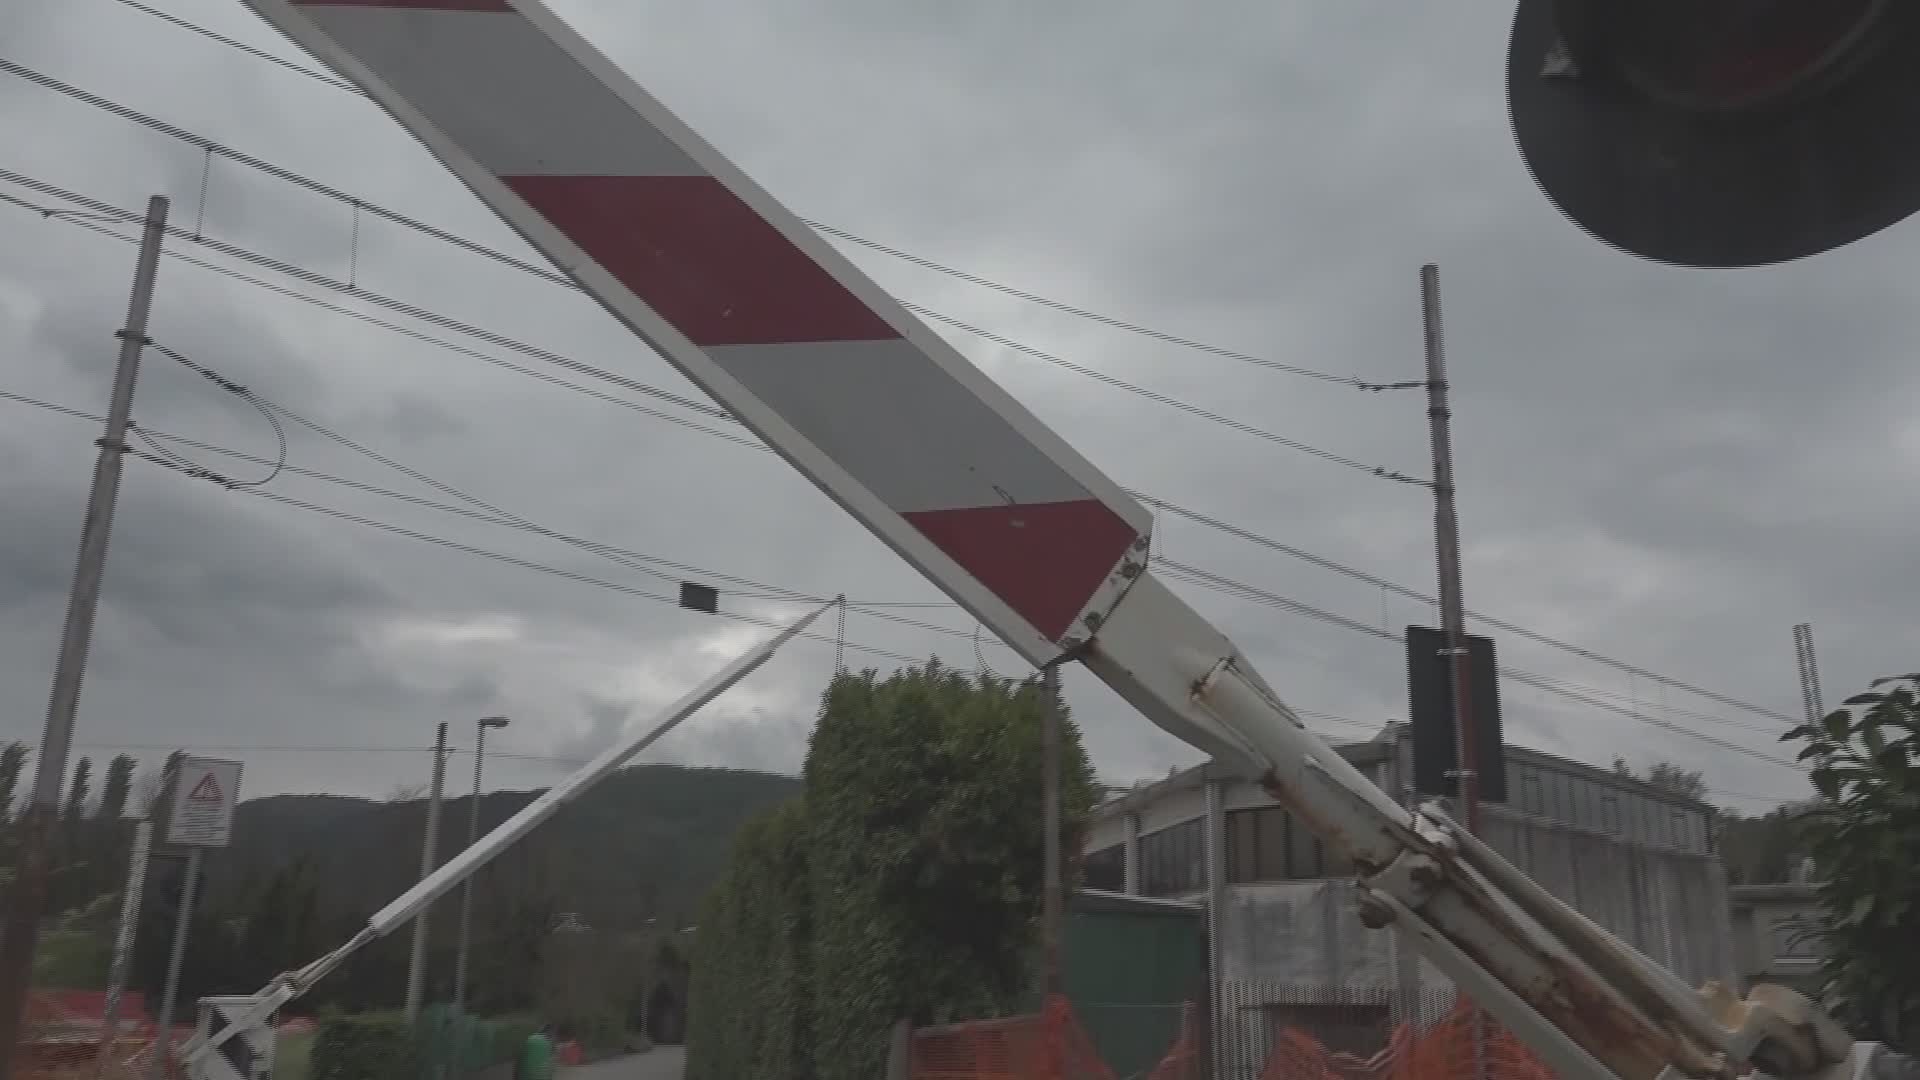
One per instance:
(749, 1008)
(904, 883)
(1866, 766)
(497, 1041)
(373, 1047)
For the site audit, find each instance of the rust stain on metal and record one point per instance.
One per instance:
(1590, 1011)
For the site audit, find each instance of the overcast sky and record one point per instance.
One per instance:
(1665, 467)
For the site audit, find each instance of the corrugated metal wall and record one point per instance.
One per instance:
(1669, 904)
(1297, 949)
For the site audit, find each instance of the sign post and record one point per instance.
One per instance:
(200, 817)
(123, 944)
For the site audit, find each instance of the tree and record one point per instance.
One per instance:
(749, 997)
(923, 806)
(1866, 768)
(81, 787)
(281, 929)
(156, 792)
(1760, 850)
(408, 792)
(13, 762)
(903, 883)
(1668, 777)
(117, 789)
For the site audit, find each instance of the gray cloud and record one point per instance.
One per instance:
(1669, 467)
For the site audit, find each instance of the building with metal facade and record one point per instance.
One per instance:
(1286, 946)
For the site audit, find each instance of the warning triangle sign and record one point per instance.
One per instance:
(207, 790)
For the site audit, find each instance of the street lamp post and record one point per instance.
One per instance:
(473, 836)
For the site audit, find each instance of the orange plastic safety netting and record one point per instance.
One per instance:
(1048, 1045)
(1442, 1051)
(62, 1042)
(1183, 1060)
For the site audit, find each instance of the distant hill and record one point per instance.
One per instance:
(646, 843)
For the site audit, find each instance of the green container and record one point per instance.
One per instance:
(455, 1044)
(1130, 965)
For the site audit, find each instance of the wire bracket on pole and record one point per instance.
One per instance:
(840, 634)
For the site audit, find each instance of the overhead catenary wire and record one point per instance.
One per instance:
(987, 283)
(341, 84)
(495, 338)
(493, 512)
(877, 609)
(210, 266)
(1559, 687)
(361, 204)
(1321, 561)
(1176, 570)
(488, 513)
(514, 560)
(108, 211)
(1112, 321)
(1152, 500)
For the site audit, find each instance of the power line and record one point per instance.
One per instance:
(551, 276)
(407, 331)
(1176, 570)
(1547, 684)
(634, 560)
(525, 564)
(1166, 399)
(1588, 654)
(1350, 623)
(1208, 579)
(1193, 515)
(492, 512)
(426, 315)
(1061, 306)
(362, 205)
(1009, 290)
(1252, 537)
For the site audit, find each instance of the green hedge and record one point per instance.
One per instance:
(905, 883)
(923, 797)
(466, 1043)
(749, 1014)
(497, 1041)
(381, 1047)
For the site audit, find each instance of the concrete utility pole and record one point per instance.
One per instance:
(29, 899)
(1453, 614)
(473, 836)
(1052, 902)
(1446, 539)
(417, 963)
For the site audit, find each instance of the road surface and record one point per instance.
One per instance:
(661, 1063)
